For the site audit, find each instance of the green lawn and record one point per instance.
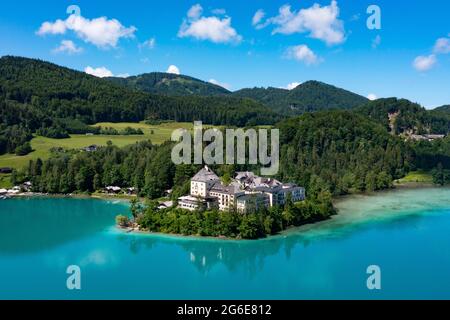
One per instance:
(5, 182)
(417, 176)
(42, 145)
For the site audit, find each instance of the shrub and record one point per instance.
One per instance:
(122, 221)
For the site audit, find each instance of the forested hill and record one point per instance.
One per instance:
(401, 116)
(170, 84)
(307, 97)
(340, 152)
(37, 95)
(40, 89)
(445, 108)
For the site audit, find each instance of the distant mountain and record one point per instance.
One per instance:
(35, 94)
(170, 84)
(307, 97)
(445, 108)
(401, 116)
(272, 97)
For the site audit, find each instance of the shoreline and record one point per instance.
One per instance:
(396, 187)
(290, 230)
(71, 196)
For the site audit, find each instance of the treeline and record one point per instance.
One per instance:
(428, 155)
(128, 131)
(340, 152)
(15, 139)
(215, 223)
(143, 165)
(440, 175)
(36, 94)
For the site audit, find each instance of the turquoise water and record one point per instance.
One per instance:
(406, 233)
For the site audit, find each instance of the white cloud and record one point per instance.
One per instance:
(424, 63)
(173, 69)
(320, 22)
(101, 32)
(215, 29)
(219, 11)
(442, 46)
(57, 27)
(257, 18)
(123, 75)
(376, 41)
(68, 46)
(372, 96)
(292, 85)
(195, 11)
(221, 84)
(302, 53)
(100, 72)
(150, 44)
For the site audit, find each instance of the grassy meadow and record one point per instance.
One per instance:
(417, 177)
(42, 146)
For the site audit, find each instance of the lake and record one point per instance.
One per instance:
(404, 232)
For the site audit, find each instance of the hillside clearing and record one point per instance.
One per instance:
(42, 146)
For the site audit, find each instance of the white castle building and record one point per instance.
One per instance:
(247, 192)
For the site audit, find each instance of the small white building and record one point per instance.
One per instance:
(113, 189)
(27, 186)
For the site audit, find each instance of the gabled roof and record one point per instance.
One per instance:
(205, 175)
(231, 189)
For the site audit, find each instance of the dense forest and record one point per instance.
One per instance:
(340, 152)
(445, 108)
(307, 97)
(36, 95)
(429, 155)
(406, 117)
(170, 84)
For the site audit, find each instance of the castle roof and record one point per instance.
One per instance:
(205, 175)
(232, 188)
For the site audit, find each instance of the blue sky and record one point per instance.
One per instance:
(215, 40)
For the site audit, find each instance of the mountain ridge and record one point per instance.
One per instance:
(309, 96)
(401, 116)
(170, 84)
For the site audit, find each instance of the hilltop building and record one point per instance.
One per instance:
(247, 192)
